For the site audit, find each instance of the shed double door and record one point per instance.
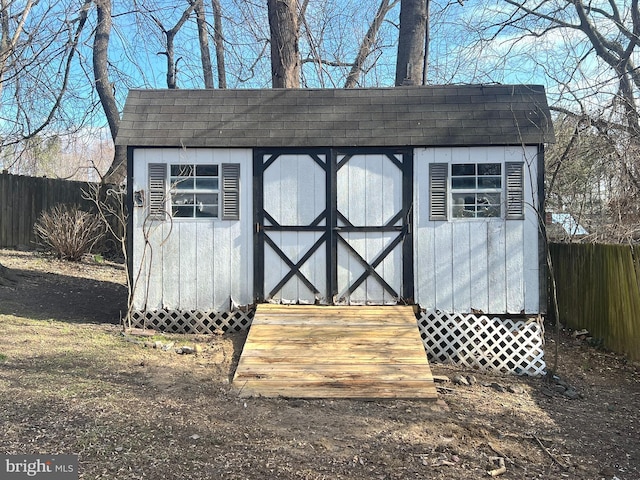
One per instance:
(333, 226)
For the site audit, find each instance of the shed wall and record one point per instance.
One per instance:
(489, 265)
(186, 263)
(460, 265)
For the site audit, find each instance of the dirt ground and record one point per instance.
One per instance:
(71, 382)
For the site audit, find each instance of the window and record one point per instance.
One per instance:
(194, 191)
(476, 190)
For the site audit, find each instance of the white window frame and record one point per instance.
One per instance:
(492, 195)
(205, 194)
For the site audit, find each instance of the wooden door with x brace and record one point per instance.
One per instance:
(333, 226)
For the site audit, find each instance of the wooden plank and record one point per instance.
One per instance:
(204, 265)
(290, 333)
(346, 322)
(188, 261)
(344, 369)
(368, 390)
(330, 376)
(333, 358)
(321, 378)
(464, 275)
(337, 353)
(479, 266)
(335, 310)
(265, 357)
(496, 256)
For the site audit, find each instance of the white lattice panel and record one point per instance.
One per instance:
(477, 341)
(192, 321)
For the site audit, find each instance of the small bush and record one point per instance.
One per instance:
(68, 231)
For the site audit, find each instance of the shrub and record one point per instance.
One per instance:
(68, 231)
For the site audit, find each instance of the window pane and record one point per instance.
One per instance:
(489, 182)
(180, 211)
(207, 170)
(464, 205)
(181, 170)
(206, 198)
(490, 198)
(463, 182)
(491, 211)
(181, 183)
(458, 169)
(207, 211)
(182, 199)
(207, 183)
(488, 205)
(489, 169)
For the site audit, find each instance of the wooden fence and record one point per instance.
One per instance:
(22, 199)
(599, 290)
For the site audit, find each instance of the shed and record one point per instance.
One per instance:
(422, 195)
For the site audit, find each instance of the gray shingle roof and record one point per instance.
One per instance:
(400, 116)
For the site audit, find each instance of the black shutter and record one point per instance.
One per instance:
(438, 174)
(230, 191)
(515, 190)
(157, 190)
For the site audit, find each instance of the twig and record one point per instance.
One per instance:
(551, 455)
(444, 389)
(500, 453)
(501, 467)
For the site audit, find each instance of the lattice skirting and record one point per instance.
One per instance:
(477, 341)
(192, 321)
(509, 346)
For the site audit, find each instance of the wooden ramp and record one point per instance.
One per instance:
(334, 352)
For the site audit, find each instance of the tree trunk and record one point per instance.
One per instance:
(118, 169)
(218, 40)
(411, 41)
(285, 56)
(171, 60)
(170, 35)
(203, 38)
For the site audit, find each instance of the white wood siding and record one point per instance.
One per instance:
(193, 264)
(490, 265)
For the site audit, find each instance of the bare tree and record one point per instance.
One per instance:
(285, 34)
(367, 42)
(105, 89)
(170, 36)
(218, 40)
(410, 61)
(203, 38)
(8, 39)
(588, 52)
(34, 70)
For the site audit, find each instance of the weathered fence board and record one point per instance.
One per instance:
(22, 199)
(599, 290)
